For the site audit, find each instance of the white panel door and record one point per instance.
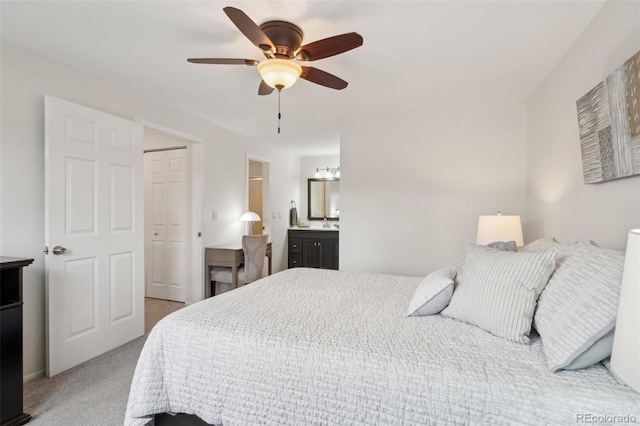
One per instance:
(94, 233)
(167, 224)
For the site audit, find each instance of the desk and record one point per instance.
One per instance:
(231, 256)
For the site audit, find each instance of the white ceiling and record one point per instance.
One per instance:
(431, 55)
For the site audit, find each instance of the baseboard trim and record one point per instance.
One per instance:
(33, 376)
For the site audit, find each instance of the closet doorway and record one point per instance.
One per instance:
(168, 215)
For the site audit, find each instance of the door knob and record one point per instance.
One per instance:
(59, 250)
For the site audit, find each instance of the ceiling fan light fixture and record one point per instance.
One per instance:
(279, 73)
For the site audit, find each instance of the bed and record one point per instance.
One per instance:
(319, 347)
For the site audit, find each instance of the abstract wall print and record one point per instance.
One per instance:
(609, 121)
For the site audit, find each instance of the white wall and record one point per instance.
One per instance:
(156, 140)
(25, 79)
(413, 185)
(308, 166)
(560, 204)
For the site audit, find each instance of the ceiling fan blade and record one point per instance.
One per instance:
(224, 61)
(329, 47)
(249, 28)
(264, 88)
(323, 78)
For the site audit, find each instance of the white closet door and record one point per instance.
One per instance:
(168, 221)
(94, 233)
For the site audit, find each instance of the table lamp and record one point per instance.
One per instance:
(250, 217)
(499, 228)
(625, 356)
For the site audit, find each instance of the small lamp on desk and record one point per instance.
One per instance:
(625, 356)
(499, 227)
(250, 217)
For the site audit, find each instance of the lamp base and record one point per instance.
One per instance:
(635, 385)
(626, 340)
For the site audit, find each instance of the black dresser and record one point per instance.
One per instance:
(11, 341)
(313, 249)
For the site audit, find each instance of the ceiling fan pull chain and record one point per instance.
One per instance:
(279, 115)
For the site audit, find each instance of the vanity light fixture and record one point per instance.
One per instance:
(327, 173)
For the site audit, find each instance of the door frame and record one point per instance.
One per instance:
(195, 291)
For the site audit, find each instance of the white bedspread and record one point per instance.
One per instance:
(316, 347)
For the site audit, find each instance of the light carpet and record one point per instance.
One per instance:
(96, 392)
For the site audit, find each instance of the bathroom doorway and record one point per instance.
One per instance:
(258, 193)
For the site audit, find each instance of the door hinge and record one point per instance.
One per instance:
(46, 249)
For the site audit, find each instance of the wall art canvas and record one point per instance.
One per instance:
(609, 121)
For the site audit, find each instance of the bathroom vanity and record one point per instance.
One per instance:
(313, 248)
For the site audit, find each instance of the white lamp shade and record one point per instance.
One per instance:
(625, 356)
(250, 217)
(499, 228)
(279, 72)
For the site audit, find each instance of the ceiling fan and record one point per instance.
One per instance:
(281, 44)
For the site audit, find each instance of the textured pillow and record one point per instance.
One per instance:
(587, 242)
(433, 294)
(497, 290)
(599, 351)
(549, 243)
(577, 310)
(544, 244)
(504, 245)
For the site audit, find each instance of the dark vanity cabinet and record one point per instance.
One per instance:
(11, 341)
(313, 249)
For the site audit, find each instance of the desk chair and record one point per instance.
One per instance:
(254, 248)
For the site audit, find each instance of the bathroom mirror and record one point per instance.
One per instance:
(323, 199)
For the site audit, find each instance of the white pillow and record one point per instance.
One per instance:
(577, 310)
(599, 351)
(543, 244)
(497, 290)
(433, 294)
